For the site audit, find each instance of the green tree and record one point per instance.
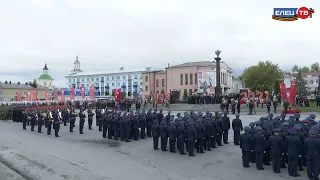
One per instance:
(106, 93)
(162, 91)
(295, 68)
(315, 67)
(112, 93)
(262, 76)
(304, 69)
(301, 86)
(129, 93)
(185, 93)
(276, 87)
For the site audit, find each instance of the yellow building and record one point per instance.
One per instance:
(9, 91)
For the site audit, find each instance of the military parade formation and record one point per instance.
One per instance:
(287, 142)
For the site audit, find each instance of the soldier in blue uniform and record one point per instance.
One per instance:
(121, 126)
(135, 125)
(155, 134)
(116, 125)
(143, 124)
(98, 119)
(72, 116)
(208, 133)
(200, 135)
(192, 138)
(258, 141)
(127, 127)
(33, 119)
(237, 128)
(90, 118)
(172, 132)
(40, 121)
(149, 122)
(277, 147)
(293, 147)
(163, 134)
(284, 133)
(245, 145)
(181, 137)
(219, 129)
(25, 119)
(302, 138)
(268, 105)
(312, 149)
(226, 127)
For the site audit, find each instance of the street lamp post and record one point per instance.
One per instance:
(218, 90)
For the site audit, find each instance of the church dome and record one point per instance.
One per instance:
(45, 67)
(45, 77)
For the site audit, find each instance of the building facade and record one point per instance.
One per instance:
(237, 85)
(197, 77)
(130, 81)
(154, 82)
(311, 78)
(45, 79)
(9, 91)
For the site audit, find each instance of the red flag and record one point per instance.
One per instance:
(34, 95)
(47, 95)
(168, 96)
(55, 94)
(118, 94)
(62, 94)
(92, 92)
(82, 91)
(293, 92)
(72, 93)
(267, 95)
(28, 96)
(146, 96)
(283, 91)
(19, 95)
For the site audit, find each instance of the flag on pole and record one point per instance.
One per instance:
(34, 95)
(62, 94)
(47, 95)
(92, 92)
(28, 96)
(82, 91)
(72, 93)
(19, 95)
(56, 98)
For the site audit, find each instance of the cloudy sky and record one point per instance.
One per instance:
(108, 34)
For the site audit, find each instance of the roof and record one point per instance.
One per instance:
(190, 64)
(77, 61)
(45, 67)
(45, 76)
(19, 86)
(155, 71)
(109, 72)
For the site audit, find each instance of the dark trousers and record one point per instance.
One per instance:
(259, 160)
(155, 143)
(81, 127)
(236, 137)
(300, 163)
(90, 123)
(191, 148)
(225, 135)
(293, 165)
(39, 128)
(56, 129)
(116, 134)
(233, 110)
(172, 145)
(127, 134)
(149, 127)
(199, 145)
(49, 129)
(164, 142)
(267, 156)
(284, 159)
(104, 131)
(65, 122)
(253, 156)
(71, 126)
(313, 168)
(99, 124)
(24, 125)
(276, 162)
(268, 109)
(143, 132)
(32, 125)
(245, 158)
(207, 143)
(109, 133)
(213, 142)
(219, 138)
(121, 134)
(135, 133)
(181, 146)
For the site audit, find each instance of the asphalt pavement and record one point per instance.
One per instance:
(72, 156)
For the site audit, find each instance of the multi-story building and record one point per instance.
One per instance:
(154, 82)
(45, 79)
(9, 91)
(311, 78)
(130, 81)
(237, 85)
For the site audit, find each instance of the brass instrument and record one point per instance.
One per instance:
(68, 110)
(60, 116)
(44, 114)
(102, 111)
(50, 116)
(93, 112)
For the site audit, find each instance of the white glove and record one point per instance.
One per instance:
(282, 153)
(195, 140)
(264, 151)
(299, 156)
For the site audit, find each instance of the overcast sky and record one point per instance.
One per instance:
(108, 34)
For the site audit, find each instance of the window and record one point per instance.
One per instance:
(78, 79)
(181, 79)
(107, 78)
(146, 79)
(124, 77)
(162, 82)
(124, 83)
(97, 79)
(118, 77)
(191, 78)
(87, 79)
(195, 78)
(92, 79)
(135, 76)
(74, 80)
(118, 84)
(87, 85)
(112, 84)
(102, 78)
(186, 79)
(112, 78)
(190, 92)
(82, 79)
(69, 80)
(157, 83)
(146, 88)
(129, 77)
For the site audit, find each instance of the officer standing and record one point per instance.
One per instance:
(237, 128)
(143, 124)
(40, 122)
(73, 116)
(49, 123)
(127, 127)
(181, 137)
(226, 127)
(200, 136)
(163, 135)
(302, 138)
(268, 104)
(82, 117)
(276, 144)
(259, 147)
(293, 146)
(245, 145)
(56, 123)
(155, 134)
(172, 132)
(98, 119)
(312, 147)
(90, 118)
(121, 126)
(220, 127)
(116, 125)
(149, 122)
(208, 133)
(192, 138)
(32, 120)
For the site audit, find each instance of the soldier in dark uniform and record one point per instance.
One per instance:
(49, 122)
(135, 125)
(155, 134)
(245, 145)
(116, 125)
(293, 146)
(98, 119)
(237, 128)
(164, 134)
(284, 133)
(90, 118)
(72, 116)
(302, 138)
(33, 119)
(192, 138)
(214, 130)
(259, 147)
(267, 129)
(252, 132)
(56, 123)
(226, 127)
(127, 127)
(41, 121)
(172, 133)
(25, 119)
(220, 127)
(275, 104)
(208, 133)
(268, 105)
(181, 137)
(200, 135)
(149, 120)
(82, 117)
(312, 149)
(108, 126)
(121, 126)
(143, 124)
(160, 116)
(276, 143)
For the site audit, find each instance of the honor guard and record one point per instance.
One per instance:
(82, 117)
(245, 145)
(49, 122)
(143, 124)
(41, 121)
(276, 144)
(33, 119)
(293, 147)
(56, 122)
(172, 132)
(164, 134)
(73, 116)
(259, 147)
(156, 134)
(90, 118)
(226, 127)
(237, 128)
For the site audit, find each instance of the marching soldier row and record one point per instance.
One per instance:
(280, 141)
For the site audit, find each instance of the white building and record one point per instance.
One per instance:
(105, 81)
(311, 78)
(45, 79)
(237, 85)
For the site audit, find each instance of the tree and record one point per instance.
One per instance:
(276, 87)
(112, 93)
(315, 67)
(301, 86)
(185, 93)
(262, 76)
(162, 91)
(106, 93)
(295, 68)
(304, 69)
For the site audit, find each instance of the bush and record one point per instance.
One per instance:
(185, 93)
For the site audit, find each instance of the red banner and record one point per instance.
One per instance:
(92, 92)
(19, 95)
(283, 91)
(82, 91)
(252, 95)
(146, 96)
(118, 95)
(293, 92)
(72, 93)
(28, 96)
(168, 96)
(55, 93)
(34, 95)
(62, 94)
(47, 95)
(267, 95)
